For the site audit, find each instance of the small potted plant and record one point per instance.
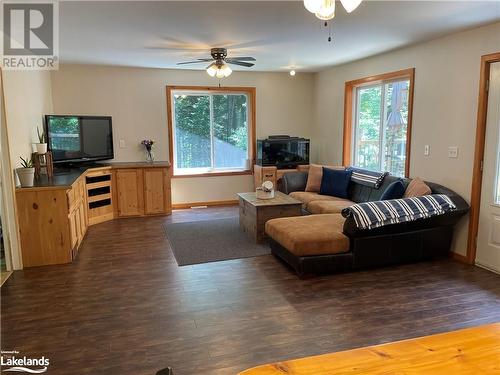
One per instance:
(26, 173)
(148, 145)
(41, 146)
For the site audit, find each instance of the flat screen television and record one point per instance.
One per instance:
(282, 152)
(74, 139)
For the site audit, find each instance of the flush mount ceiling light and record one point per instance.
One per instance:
(325, 9)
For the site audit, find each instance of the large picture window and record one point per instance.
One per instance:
(211, 130)
(378, 129)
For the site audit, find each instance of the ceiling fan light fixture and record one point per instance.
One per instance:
(326, 11)
(312, 5)
(350, 5)
(219, 70)
(212, 70)
(227, 70)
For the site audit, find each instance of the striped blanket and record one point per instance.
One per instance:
(367, 178)
(369, 215)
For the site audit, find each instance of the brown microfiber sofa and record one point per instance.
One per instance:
(323, 241)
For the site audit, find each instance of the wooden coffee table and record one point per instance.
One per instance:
(464, 352)
(255, 212)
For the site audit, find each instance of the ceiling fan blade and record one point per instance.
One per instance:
(243, 58)
(248, 65)
(194, 62)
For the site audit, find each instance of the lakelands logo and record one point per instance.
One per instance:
(30, 35)
(10, 361)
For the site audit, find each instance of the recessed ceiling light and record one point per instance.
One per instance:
(292, 72)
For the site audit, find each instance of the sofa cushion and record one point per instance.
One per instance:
(395, 190)
(335, 182)
(310, 235)
(314, 178)
(315, 175)
(328, 207)
(360, 193)
(416, 188)
(306, 196)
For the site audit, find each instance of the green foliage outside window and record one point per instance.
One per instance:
(196, 121)
(371, 134)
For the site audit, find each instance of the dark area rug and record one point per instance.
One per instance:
(211, 241)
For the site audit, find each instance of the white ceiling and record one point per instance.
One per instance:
(279, 34)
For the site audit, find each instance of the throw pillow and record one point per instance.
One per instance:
(417, 188)
(335, 182)
(315, 175)
(396, 190)
(314, 178)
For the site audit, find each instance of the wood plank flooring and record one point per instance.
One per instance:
(125, 307)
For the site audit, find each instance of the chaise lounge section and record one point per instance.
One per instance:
(323, 241)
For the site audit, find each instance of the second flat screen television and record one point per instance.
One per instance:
(79, 138)
(282, 152)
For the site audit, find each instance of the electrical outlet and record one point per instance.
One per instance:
(427, 150)
(122, 143)
(453, 152)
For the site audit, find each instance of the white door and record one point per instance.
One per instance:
(488, 240)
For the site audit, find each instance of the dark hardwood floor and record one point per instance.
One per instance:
(125, 307)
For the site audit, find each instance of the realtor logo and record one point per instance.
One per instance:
(10, 361)
(30, 35)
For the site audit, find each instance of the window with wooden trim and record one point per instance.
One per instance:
(211, 130)
(377, 122)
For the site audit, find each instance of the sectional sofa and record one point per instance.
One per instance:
(323, 241)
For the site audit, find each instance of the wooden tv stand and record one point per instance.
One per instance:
(54, 214)
(273, 174)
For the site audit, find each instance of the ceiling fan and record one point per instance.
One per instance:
(219, 67)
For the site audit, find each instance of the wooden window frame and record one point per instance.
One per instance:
(350, 87)
(250, 91)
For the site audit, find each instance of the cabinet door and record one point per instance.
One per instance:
(72, 229)
(83, 219)
(130, 192)
(78, 223)
(155, 191)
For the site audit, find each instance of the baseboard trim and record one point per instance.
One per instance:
(181, 206)
(459, 258)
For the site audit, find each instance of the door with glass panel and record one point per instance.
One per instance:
(488, 240)
(381, 126)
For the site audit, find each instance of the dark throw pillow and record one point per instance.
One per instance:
(396, 190)
(335, 182)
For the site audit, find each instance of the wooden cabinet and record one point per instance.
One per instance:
(129, 187)
(52, 223)
(142, 191)
(273, 174)
(156, 191)
(53, 219)
(98, 188)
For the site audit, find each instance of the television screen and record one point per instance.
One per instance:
(79, 138)
(283, 153)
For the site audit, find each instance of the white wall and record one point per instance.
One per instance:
(136, 99)
(444, 112)
(27, 96)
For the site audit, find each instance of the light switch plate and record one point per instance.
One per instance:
(453, 152)
(427, 150)
(122, 143)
